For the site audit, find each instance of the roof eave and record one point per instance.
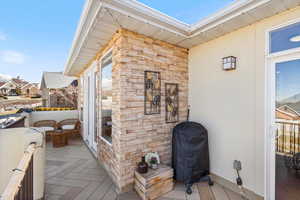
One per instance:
(78, 32)
(87, 20)
(191, 35)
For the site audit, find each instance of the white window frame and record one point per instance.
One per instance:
(284, 52)
(81, 107)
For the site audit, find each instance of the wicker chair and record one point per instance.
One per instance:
(70, 126)
(48, 125)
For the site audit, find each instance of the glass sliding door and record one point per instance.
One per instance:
(283, 111)
(287, 119)
(90, 109)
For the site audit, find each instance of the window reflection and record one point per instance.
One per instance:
(106, 98)
(285, 38)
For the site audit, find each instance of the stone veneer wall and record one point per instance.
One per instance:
(135, 134)
(141, 133)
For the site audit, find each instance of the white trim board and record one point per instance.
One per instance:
(137, 17)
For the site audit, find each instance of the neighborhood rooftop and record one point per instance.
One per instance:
(54, 80)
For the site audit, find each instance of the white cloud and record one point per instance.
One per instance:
(4, 77)
(12, 57)
(2, 36)
(107, 83)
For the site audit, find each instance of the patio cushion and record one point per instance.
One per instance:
(47, 128)
(68, 127)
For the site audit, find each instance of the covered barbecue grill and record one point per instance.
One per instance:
(190, 157)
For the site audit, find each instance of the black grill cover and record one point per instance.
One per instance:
(190, 157)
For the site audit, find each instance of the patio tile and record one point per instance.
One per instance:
(87, 177)
(88, 191)
(56, 189)
(71, 193)
(94, 171)
(110, 194)
(167, 198)
(68, 169)
(55, 163)
(102, 190)
(233, 196)
(72, 173)
(52, 197)
(132, 195)
(219, 192)
(179, 193)
(67, 182)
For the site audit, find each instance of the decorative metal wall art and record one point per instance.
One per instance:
(152, 92)
(172, 102)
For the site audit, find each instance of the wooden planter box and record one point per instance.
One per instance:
(59, 139)
(155, 183)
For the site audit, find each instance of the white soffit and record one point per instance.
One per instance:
(102, 18)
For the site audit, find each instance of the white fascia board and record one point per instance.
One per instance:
(142, 8)
(78, 34)
(163, 26)
(148, 15)
(221, 13)
(228, 13)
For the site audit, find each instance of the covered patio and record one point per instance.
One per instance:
(72, 173)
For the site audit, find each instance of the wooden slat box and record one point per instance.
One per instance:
(155, 183)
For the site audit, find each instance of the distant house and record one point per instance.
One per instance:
(286, 115)
(8, 88)
(19, 82)
(12, 87)
(293, 109)
(30, 90)
(2, 90)
(58, 90)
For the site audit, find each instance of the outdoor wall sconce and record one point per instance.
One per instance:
(229, 63)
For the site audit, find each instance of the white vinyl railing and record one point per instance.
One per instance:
(20, 186)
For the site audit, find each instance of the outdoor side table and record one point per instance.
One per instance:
(154, 183)
(59, 138)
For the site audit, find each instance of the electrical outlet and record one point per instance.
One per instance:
(237, 165)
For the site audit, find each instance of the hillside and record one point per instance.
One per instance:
(293, 102)
(293, 99)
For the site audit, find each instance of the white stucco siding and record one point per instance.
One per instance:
(231, 104)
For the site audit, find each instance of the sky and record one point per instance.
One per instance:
(36, 36)
(287, 79)
(188, 11)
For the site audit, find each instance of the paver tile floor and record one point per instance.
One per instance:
(72, 173)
